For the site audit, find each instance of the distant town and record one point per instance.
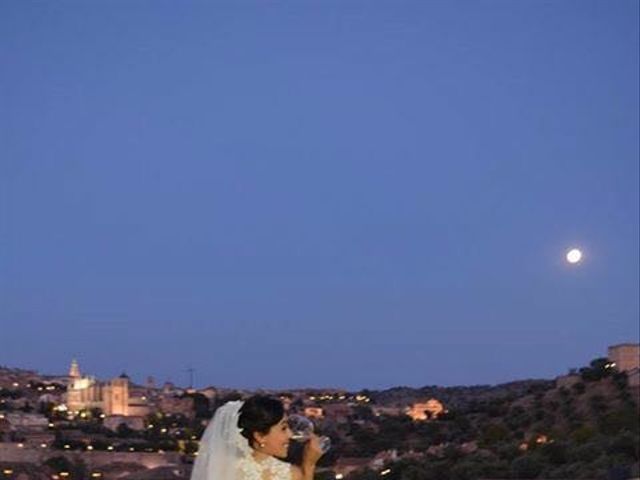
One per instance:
(583, 424)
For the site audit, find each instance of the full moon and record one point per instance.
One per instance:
(574, 255)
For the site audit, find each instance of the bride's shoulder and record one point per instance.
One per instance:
(281, 470)
(249, 469)
(246, 470)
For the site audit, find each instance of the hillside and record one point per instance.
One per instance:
(584, 427)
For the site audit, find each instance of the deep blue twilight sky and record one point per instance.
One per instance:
(336, 193)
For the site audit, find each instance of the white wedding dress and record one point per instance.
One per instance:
(269, 469)
(224, 454)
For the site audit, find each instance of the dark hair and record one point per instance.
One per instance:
(258, 414)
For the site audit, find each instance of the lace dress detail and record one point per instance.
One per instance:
(269, 469)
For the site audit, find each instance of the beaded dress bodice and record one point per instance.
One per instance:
(268, 469)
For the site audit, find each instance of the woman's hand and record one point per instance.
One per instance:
(310, 456)
(312, 451)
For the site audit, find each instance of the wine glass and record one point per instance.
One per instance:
(301, 430)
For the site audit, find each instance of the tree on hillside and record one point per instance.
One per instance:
(597, 370)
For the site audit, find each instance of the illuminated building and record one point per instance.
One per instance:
(112, 397)
(425, 411)
(626, 356)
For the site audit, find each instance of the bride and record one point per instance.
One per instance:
(245, 440)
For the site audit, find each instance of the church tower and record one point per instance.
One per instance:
(76, 388)
(74, 370)
(116, 398)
